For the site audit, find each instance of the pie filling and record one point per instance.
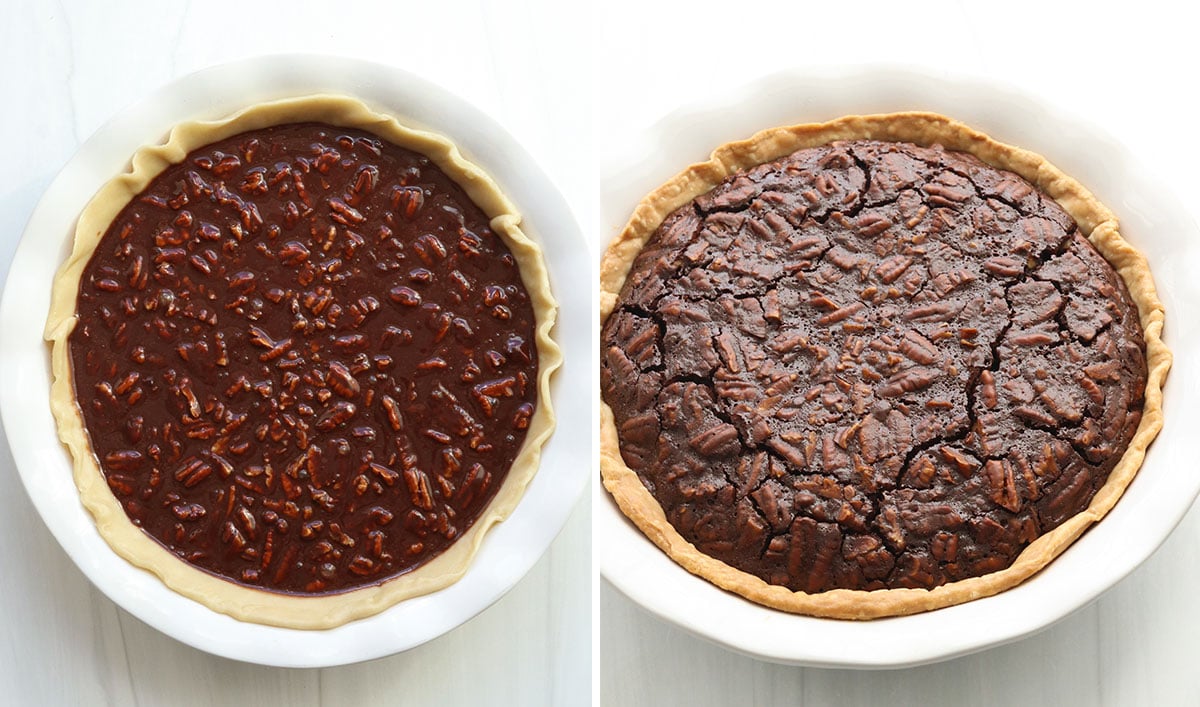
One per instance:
(304, 360)
(872, 365)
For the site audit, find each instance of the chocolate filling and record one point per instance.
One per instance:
(304, 360)
(872, 365)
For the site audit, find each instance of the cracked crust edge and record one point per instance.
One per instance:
(128, 540)
(1095, 221)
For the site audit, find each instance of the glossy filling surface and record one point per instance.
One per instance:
(304, 360)
(871, 365)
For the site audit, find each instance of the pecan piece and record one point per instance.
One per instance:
(341, 381)
(718, 440)
(338, 414)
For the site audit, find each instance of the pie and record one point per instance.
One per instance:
(874, 366)
(301, 361)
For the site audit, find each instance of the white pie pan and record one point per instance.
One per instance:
(1152, 506)
(509, 550)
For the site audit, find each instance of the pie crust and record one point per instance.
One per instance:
(128, 540)
(1095, 221)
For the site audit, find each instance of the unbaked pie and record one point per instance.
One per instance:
(301, 360)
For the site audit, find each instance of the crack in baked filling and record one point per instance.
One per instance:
(872, 365)
(304, 360)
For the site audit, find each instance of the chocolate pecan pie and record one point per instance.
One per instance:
(301, 359)
(875, 366)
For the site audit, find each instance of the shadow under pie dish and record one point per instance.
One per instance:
(311, 350)
(866, 368)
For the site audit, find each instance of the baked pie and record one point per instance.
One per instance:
(874, 366)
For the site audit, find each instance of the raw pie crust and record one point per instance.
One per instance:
(128, 540)
(1095, 221)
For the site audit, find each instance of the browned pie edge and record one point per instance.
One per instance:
(1095, 220)
(129, 541)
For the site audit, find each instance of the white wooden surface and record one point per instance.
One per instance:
(548, 70)
(1130, 69)
(65, 68)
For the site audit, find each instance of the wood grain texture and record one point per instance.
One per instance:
(1136, 645)
(72, 65)
(65, 643)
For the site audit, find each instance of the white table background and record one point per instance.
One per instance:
(550, 70)
(66, 68)
(1130, 69)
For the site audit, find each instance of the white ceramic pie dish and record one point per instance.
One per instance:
(1152, 506)
(509, 550)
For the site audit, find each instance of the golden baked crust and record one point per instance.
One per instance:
(137, 547)
(1095, 221)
